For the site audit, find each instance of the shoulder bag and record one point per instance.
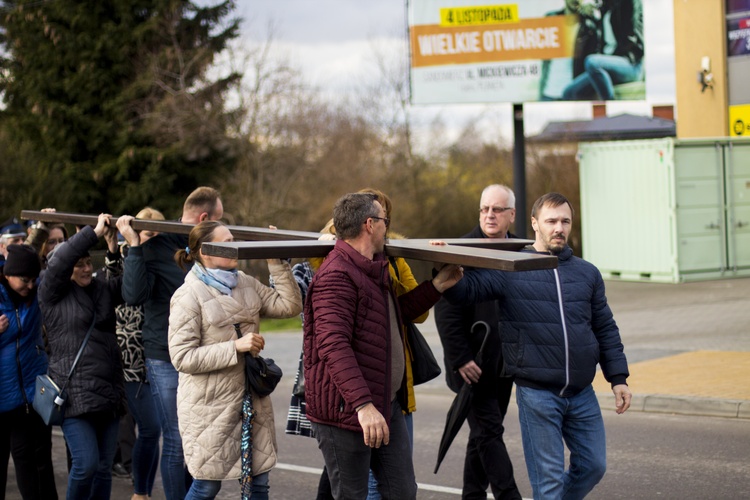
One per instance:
(424, 366)
(261, 374)
(49, 399)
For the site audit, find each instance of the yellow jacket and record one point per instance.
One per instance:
(403, 281)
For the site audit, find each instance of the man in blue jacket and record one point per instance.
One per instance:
(555, 327)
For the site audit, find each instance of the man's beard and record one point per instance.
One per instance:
(557, 248)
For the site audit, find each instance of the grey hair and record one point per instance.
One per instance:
(351, 211)
(511, 194)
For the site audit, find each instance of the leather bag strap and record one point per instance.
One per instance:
(80, 351)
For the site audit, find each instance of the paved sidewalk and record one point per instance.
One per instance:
(688, 346)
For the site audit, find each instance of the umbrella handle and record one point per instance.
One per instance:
(486, 327)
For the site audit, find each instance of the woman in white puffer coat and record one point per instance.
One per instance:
(209, 356)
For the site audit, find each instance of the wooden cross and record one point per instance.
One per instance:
(491, 253)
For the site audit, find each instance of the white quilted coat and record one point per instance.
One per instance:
(212, 380)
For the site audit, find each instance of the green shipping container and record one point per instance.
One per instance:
(666, 210)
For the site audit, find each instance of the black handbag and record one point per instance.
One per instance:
(424, 366)
(261, 374)
(49, 399)
(298, 389)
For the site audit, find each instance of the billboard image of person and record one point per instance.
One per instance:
(465, 51)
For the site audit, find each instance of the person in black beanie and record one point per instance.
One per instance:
(22, 432)
(22, 260)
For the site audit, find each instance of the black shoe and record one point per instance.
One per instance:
(119, 470)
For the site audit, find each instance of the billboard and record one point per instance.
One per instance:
(465, 51)
(738, 66)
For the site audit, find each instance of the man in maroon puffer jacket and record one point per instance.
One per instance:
(354, 355)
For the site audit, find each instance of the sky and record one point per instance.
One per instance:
(332, 41)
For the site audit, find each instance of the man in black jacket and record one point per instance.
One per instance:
(150, 278)
(487, 462)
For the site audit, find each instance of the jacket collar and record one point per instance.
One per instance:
(373, 268)
(477, 233)
(566, 254)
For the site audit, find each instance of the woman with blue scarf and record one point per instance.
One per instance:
(206, 312)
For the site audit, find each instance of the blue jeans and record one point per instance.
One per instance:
(602, 73)
(163, 377)
(204, 489)
(92, 440)
(372, 483)
(146, 448)
(548, 420)
(348, 460)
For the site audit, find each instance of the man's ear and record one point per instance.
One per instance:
(203, 216)
(534, 224)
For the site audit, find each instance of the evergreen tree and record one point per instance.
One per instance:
(115, 100)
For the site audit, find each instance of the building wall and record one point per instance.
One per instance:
(700, 30)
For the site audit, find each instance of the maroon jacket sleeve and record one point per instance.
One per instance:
(418, 301)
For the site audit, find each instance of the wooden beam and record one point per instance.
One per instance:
(502, 260)
(239, 232)
(269, 249)
(510, 244)
(277, 243)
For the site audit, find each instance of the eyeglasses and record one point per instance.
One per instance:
(495, 210)
(384, 219)
(53, 241)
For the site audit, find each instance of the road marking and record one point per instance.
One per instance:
(299, 468)
(316, 471)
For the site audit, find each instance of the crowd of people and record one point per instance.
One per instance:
(163, 330)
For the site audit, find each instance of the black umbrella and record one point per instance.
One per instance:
(460, 407)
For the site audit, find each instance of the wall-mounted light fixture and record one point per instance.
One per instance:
(705, 77)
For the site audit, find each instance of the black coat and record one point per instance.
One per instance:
(97, 384)
(460, 345)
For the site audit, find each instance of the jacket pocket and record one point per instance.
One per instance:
(513, 348)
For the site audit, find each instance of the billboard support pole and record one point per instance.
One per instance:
(519, 170)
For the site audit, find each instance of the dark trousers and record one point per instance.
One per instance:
(24, 435)
(487, 462)
(126, 441)
(349, 460)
